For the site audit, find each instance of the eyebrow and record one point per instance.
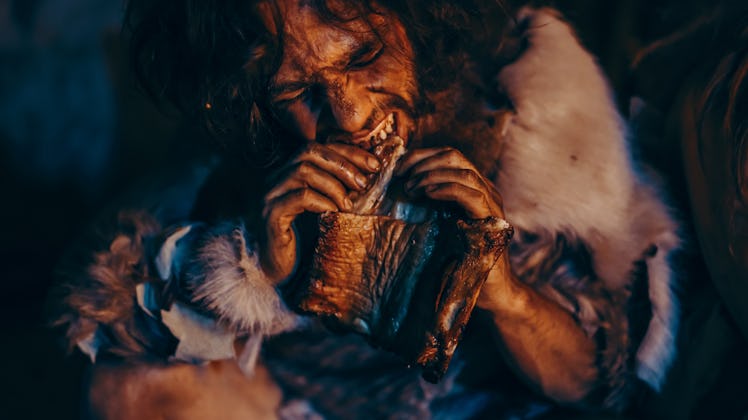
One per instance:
(364, 48)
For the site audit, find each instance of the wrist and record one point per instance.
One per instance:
(503, 294)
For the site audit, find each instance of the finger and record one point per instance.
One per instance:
(361, 158)
(336, 164)
(467, 177)
(309, 175)
(448, 158)
(473, 201)
(279, 254)
(282, 211)
(415, 156)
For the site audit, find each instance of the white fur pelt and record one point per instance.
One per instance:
(566, 167)
(225, 276)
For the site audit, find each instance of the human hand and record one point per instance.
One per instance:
(445, 174)
(319, 179)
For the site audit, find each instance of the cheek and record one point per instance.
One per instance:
(302, 119)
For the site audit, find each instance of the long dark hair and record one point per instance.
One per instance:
(212, 59)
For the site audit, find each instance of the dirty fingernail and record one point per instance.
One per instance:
(347, 204)
(372, 162)
(361, 180)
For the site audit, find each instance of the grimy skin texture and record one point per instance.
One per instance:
(552, 158)
(538, 338)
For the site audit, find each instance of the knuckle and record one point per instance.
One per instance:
(271, 213)
(451, 152)
(444, 190)
(305, 169)
(314, 149)
(342, 147)
(339, 190)
(301, 157)
(346, 165)
(424, 178)
(466, 173)
(266, 211)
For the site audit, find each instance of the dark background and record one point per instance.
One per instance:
(74, 133)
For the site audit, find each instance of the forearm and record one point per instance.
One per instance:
(539, 339)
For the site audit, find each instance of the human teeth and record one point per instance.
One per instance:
(379, 133)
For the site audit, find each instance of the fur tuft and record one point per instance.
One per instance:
(229, 281)
(559, 266)
(101, 302)
(657, 349)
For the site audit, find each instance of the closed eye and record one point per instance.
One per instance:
(288, 97)
(366, 55)
(286, 94)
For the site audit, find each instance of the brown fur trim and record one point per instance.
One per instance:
(561, 268)
(96, 293)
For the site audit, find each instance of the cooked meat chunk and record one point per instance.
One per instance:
(410, 288)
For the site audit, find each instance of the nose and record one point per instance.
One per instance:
(347, 108)
(350, 107)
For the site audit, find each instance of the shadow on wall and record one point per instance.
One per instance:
(73, 132)
(72, 128)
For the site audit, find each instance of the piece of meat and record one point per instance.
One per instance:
(365, 270)
(408, 287)
(466, 252)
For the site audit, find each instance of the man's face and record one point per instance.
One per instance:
(338, 81)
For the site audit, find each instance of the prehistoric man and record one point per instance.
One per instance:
(504, 115)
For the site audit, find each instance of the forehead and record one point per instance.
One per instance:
(299, 16)
(310, 40)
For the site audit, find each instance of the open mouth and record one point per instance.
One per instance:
(384, 142)
(379, 134)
